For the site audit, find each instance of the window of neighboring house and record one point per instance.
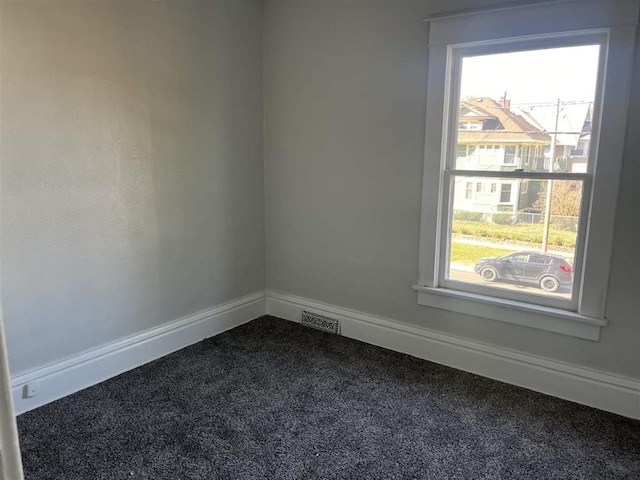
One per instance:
(509, 155)
(547, 157)
(465, 151)
(477, 57)
(468, 191)
(505, 193)
(470, 126)
(525, 154)
(494, 188)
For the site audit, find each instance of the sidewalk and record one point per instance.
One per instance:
(461, 267)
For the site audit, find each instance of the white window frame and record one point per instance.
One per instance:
(504, 156)
(502, 191)
(545, 22)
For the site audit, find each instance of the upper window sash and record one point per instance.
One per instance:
(456, 53)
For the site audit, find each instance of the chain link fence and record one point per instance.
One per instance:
(519, 227)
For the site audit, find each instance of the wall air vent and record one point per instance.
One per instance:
(320, 322)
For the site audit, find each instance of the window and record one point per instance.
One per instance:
(468, 191)
(475, 58)
(517, 258)
(525, 153)
(509, 155)
(494, 187)
(470, 126)
(539, 259)
(489, 149)
(479, 187)
(505, 193)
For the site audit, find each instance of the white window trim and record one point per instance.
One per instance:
(618, 19)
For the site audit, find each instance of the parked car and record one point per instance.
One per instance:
(548, 271)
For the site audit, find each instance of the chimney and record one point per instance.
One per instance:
(506, 103)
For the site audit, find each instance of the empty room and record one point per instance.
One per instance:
(319, 239)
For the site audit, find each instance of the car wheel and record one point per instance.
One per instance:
(549, 284)
(490, 274)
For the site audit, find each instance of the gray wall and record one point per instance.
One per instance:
(345, 86)
(131, 167)
(132, 177)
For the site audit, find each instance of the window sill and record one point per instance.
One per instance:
(519, 313)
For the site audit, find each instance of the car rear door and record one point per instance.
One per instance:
(536, 266)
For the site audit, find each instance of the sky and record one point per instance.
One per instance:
(567, 73)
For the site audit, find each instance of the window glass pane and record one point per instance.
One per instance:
(509, 154)
(524, 247)
(468, 191)
(515, 107)
(505, 194)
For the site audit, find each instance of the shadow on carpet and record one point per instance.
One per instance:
(274, 400)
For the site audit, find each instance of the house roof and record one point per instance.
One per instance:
(511, 127)
(571, 120)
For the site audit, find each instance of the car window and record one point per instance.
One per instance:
(539, 259)
(518, 257)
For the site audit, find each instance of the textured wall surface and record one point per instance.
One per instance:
(345, 86)
(131, 167)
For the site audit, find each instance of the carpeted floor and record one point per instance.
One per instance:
(275, 400)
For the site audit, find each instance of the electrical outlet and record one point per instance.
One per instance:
(30, 390)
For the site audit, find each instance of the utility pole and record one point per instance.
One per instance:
(547, 208)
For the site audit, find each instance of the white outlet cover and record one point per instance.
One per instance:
(30, 389)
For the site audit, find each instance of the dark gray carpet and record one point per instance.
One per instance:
(275, 400)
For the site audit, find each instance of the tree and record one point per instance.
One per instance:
(566, 196)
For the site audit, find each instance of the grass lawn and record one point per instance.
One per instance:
(465, 254)
(522, 232)
(470, 254)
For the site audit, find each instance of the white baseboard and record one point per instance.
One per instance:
(581, 385)
(94, 366)
(590, 387)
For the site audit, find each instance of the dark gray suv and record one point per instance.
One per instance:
(550, 272)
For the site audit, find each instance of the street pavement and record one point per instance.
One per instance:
(464, 273)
